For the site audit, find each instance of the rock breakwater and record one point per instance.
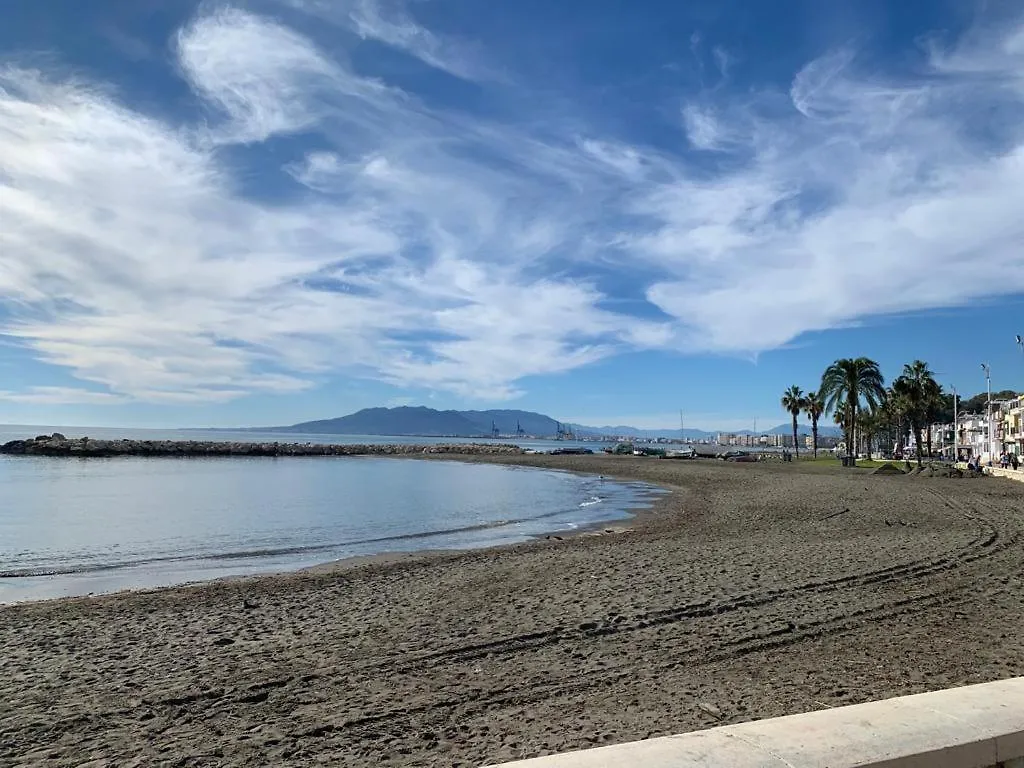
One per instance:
(58, 445)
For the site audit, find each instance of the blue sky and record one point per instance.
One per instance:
(264, 212)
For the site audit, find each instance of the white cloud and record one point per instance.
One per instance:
(624, 159)
(262, 76)
(878, 197)
(60, 396)
(432, 249)
(702, 128)
(389, 22)
(132, 261)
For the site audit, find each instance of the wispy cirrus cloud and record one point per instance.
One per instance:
(389, 22)
(60, 396)
(423, 246)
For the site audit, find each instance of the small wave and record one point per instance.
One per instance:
(20, 573)
(594, 500)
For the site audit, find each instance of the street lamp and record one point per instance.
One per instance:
(988, 382)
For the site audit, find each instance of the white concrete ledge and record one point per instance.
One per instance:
(1012, 474)
(978, 726)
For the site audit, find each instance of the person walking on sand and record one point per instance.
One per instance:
(1014, 461)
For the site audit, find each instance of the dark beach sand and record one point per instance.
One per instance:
(747, 593)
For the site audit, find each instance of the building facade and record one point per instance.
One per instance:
(1011, 434)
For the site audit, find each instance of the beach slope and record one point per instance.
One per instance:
(750, 591)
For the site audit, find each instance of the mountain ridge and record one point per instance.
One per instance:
(421, 421)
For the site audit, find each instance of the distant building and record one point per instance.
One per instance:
(1012, 426)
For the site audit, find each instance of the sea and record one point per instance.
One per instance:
(98, 525)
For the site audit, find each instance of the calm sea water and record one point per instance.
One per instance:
(23, 432)
(79, 526)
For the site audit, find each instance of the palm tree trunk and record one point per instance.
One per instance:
(854, 397)
(814, 434)
(853, 433)
(917, 440)
(796, 448)
(928, 435)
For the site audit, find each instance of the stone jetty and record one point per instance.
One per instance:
(58, 445)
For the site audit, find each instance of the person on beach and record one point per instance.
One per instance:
(1014, 461)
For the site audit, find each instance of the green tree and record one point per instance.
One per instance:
(871, 423)
(896, 413)
(920, 394)
(979, 403)
(814, 406)
(933, 409)
(854, 383)
(944, 410)
(793, 401)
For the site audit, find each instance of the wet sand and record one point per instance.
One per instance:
(751, 591)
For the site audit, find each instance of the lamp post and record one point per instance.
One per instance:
(988, 382)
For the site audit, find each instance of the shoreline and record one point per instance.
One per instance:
(749, 591)
(647, 493)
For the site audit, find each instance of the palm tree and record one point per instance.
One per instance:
(920, 394)
(793, 401)
(852, 381)
(814, 406)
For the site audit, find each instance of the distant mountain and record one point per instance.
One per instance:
(392, 421)
(428, 422)
(506, 422)
(408, 420)
(824, 430)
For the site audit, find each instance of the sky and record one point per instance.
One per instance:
(264, 212)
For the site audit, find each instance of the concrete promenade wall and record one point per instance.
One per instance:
(977, 726)
(1012, 474)
(1009, 474)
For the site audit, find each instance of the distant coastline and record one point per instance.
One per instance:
(421, 421)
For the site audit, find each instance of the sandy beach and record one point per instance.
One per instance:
(750, 591)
